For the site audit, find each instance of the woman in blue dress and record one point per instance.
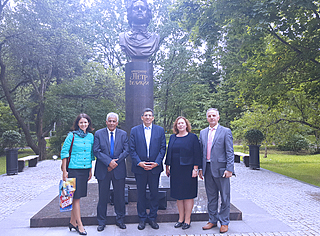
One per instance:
(80, 166)
(182, 162)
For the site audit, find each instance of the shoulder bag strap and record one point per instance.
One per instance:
(70, 150)
(71, 146)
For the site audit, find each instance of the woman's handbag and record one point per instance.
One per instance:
(68, 158)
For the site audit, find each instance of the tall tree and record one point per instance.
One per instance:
(268, 49)
(42, 48)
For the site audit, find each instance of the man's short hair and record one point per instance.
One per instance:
(212, 109)
(113, 115)
(147, 110)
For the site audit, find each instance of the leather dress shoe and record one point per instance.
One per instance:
(142, 225)
(224, 228)
(100, 228)
(121, 225)
(178, 224)
(209, 225)
(154, 225)
(185, 226)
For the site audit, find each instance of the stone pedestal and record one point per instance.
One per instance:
(139, 95)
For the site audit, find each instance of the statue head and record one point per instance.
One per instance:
(138, 12)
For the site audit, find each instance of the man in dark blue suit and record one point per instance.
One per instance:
(111, 147)
(147, 150)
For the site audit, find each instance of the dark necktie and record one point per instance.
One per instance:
(111, 145)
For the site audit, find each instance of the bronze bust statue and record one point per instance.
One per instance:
(138, 43)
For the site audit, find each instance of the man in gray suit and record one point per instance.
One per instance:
(217, 167)
(111, 147)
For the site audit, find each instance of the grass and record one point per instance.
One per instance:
(303, 167)
(21, 153)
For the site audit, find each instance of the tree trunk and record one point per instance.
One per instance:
(265, 151)
(24, 127)
(39, 130)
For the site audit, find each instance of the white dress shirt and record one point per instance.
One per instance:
(147, 135)
(114, 135)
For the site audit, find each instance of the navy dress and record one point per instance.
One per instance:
(182, 185)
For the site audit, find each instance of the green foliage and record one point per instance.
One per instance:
(10, 139)
(254, 137)
(7, 120)
(294, 143)
(268, 52)
(55, 143)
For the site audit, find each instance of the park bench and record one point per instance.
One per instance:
(32, 159)
(237, 156)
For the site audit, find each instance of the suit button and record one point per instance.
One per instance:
(84, 150)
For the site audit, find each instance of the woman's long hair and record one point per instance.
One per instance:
(76, 122)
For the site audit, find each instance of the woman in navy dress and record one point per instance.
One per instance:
(182, 162)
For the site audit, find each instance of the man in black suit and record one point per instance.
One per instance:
(111, 147)
(147, 150)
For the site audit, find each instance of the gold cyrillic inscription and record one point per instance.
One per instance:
(139, 77)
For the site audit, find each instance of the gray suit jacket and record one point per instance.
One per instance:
(222, 155)
(101, 149)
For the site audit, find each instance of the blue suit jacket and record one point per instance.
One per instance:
(138, 148)
(222, 155)
(101, 149)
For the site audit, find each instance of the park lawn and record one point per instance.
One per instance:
(302, 167)
(305, 168)
(21, 153)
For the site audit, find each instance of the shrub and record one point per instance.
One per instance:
(254, 137)
(294, 143)
(10, 139)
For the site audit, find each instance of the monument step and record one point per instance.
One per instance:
(50, 215)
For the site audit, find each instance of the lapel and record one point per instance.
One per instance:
(205, 143)
(216, 135)
(143, 136)
(152, 135)
(106, 135)
(116, 141)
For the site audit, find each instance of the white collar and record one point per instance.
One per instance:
(146, 126)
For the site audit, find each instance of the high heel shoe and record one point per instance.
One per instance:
(81, 233)
(186, 226)
(71, 226)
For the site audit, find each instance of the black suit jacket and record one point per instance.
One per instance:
(138, 148)
(101, 149)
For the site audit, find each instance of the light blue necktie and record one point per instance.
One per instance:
(111, 145)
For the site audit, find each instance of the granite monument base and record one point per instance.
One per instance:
(50, 216)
